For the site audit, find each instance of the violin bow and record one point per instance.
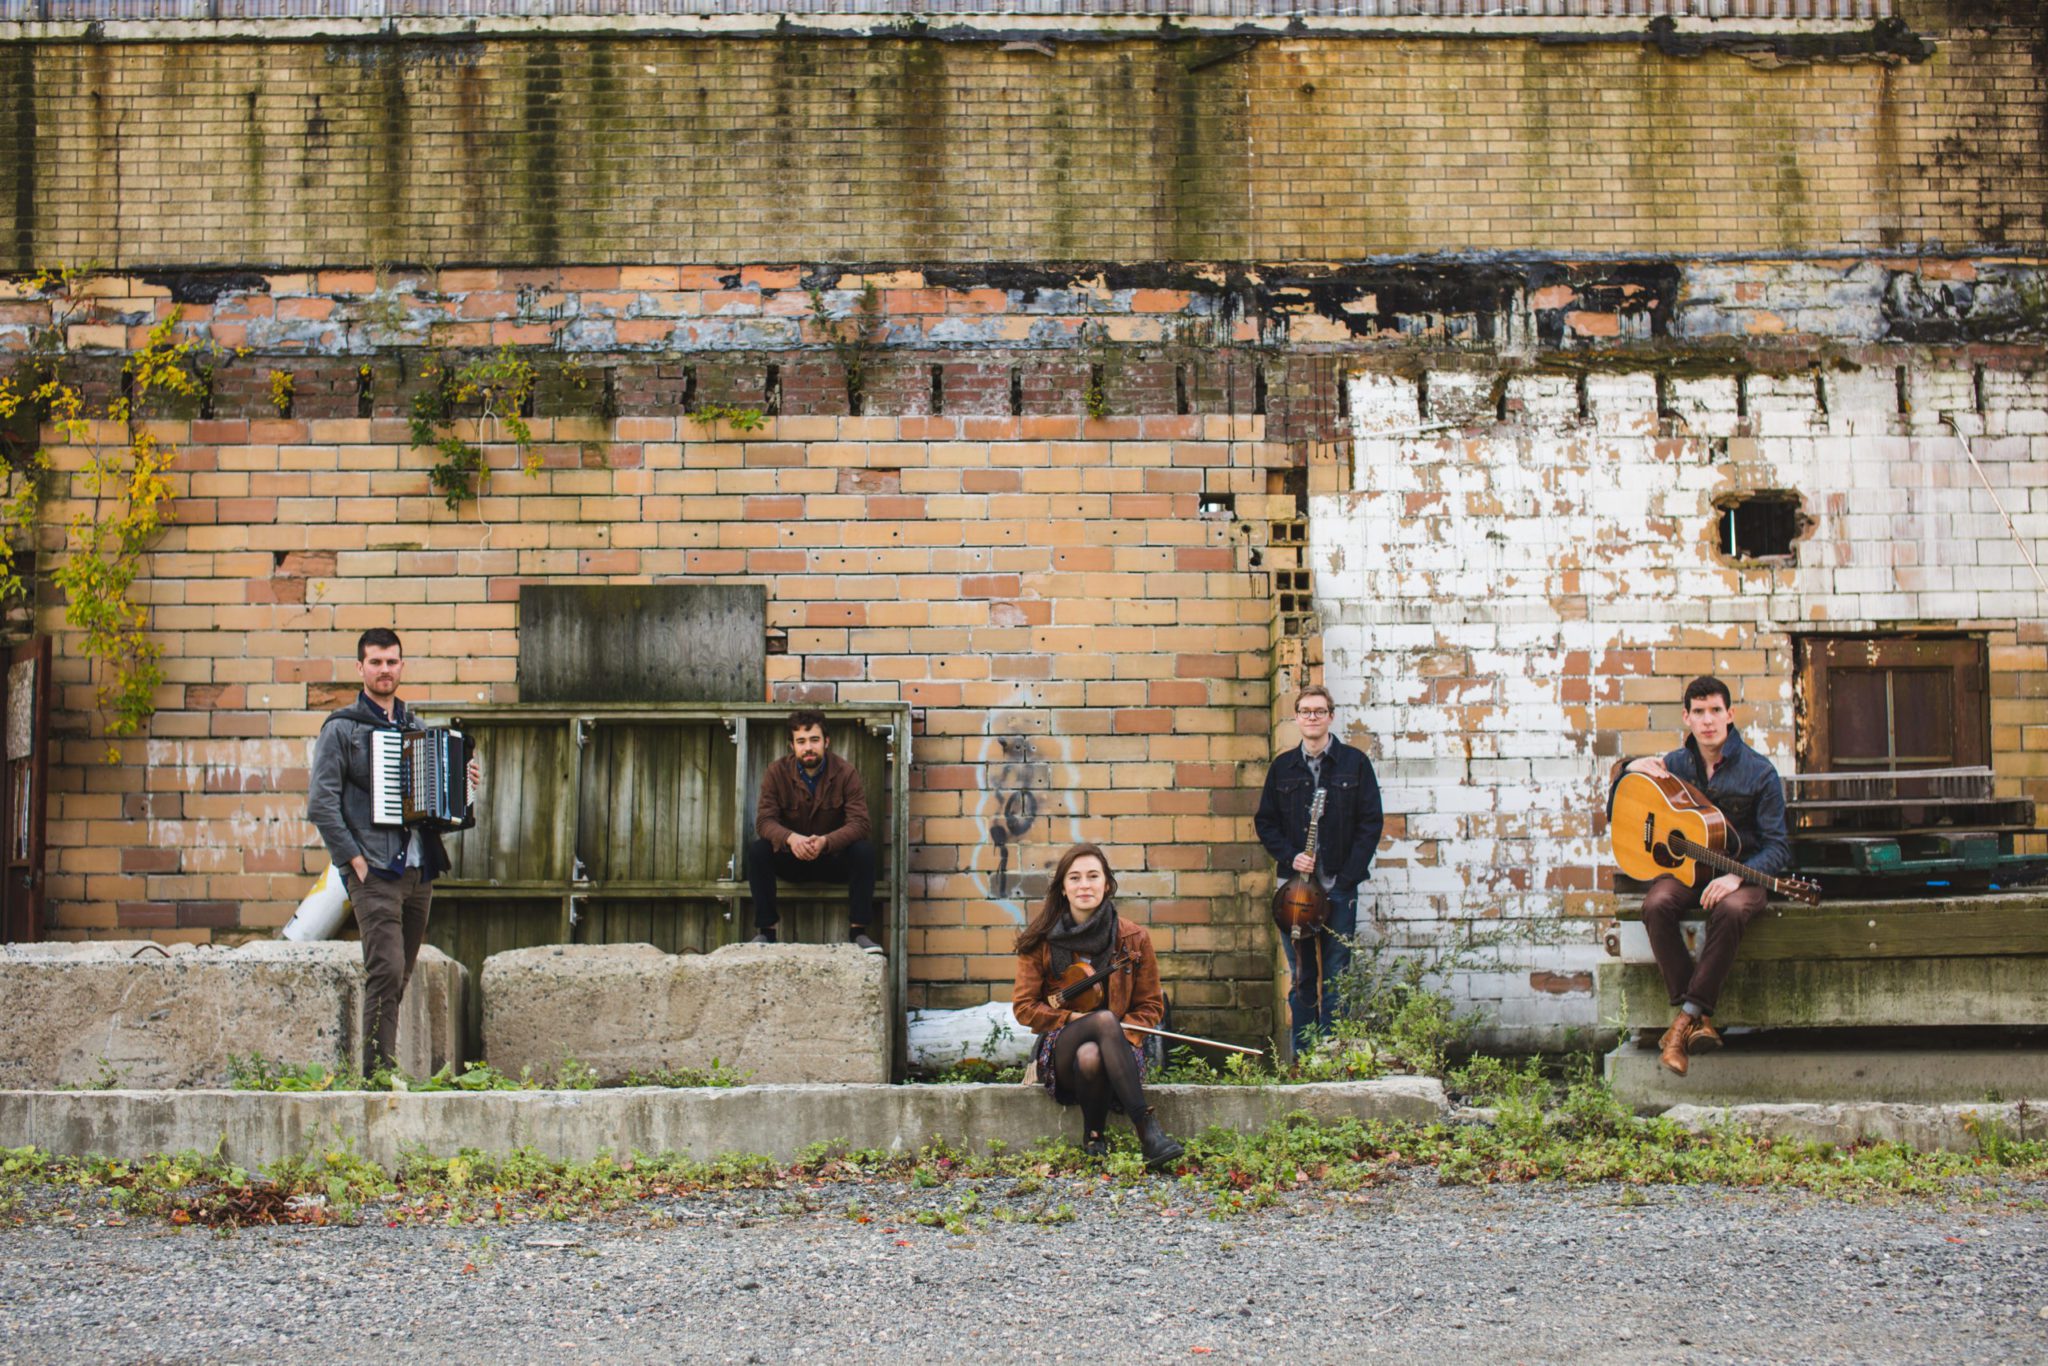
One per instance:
(1193, 1038)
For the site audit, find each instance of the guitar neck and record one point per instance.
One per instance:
(1683, 846)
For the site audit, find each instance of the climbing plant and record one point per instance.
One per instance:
(126, 484)
(502, 387)
(852, 339)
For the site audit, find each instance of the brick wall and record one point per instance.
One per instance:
(1096, 617)
(629, 149)
(1516, 599)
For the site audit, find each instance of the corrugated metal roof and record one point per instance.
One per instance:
(74, 11)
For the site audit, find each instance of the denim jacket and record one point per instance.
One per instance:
(1747, 789)
(1350, 831)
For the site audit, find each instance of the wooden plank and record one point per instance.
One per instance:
(1991, 931)
(641, 643)
(1847, 994)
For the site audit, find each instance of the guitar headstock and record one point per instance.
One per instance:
(1805, 891)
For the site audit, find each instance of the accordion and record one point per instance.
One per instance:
(421, 777)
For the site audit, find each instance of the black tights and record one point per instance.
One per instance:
(1095, 1065)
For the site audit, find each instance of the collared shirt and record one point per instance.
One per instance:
(1314, 760)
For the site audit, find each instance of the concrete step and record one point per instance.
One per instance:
(254, 1128)
(1745, 1075)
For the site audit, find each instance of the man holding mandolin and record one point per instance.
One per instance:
(1319, 817)
(1750, 797)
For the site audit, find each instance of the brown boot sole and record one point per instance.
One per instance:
(1702, 1043)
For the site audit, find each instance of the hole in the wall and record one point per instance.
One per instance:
(1422, 396)
(1585, 398)
(771, 392)
(1742, 395)
(1977, 387)
(777, 643)
(1763, 525)
(1343, 396)
(1219, 505)
(938, 390)
(1259, 390)
(689, 388)
(1180, 390)
(1016, 391)
(366, 397)
(277, 559)
(1820, 393)
(1665, 412)
(1905, 394)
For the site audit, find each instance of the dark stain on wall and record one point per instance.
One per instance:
(18, 147)
(540, 143)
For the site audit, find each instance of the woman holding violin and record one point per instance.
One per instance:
(1082, 973)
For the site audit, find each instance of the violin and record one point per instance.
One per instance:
(1082, 988)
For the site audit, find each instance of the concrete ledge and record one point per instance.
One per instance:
(254, 1128)
(1741, 1075)
(172, 1016)
(782, 1012)
(1951, 1128)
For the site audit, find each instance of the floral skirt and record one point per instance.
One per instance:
(1048, 1077)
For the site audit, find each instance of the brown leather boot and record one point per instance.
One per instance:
(1704, 1039)
(1671, 1048)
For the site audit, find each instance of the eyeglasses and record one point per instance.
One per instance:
(1311, 711)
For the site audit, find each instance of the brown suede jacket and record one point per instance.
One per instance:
(1134, 994)
(838, 810)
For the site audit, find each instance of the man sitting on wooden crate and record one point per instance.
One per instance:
(812, 824)
(1747, 789)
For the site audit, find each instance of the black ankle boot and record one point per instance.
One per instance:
(1159, 1146)
(1095, 1143)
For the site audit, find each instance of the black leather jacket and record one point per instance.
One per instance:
(1352, 820)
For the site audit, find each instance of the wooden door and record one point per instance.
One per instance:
(1892, 702)
(22, 808)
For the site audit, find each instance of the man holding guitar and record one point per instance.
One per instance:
(1751, 797)
(1331, 854)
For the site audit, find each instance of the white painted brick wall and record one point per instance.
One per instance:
(1484, 589)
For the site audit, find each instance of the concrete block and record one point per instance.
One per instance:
(74, 1014)
(781, 1012)
(255, 1128)
(1743, 1073)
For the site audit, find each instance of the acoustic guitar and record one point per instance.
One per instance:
(1666, 825)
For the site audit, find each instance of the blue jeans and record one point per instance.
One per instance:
(1336, 945)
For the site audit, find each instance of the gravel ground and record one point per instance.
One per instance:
(1405, 1271)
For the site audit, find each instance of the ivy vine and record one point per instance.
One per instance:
(502, 387)
(128, 483)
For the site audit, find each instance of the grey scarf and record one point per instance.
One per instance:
(1068, 941)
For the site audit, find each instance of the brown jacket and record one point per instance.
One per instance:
(838, 810)
(1134, 994)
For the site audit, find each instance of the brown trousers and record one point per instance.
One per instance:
(1664, 905)
(392, 918)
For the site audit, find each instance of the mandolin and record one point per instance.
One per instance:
(1666, 825)
(1301, 907)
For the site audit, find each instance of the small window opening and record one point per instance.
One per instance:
(1760, 526)
(771, 392)
(938, 391)
(689, 388)
(1016, 391)
(1180, 390)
